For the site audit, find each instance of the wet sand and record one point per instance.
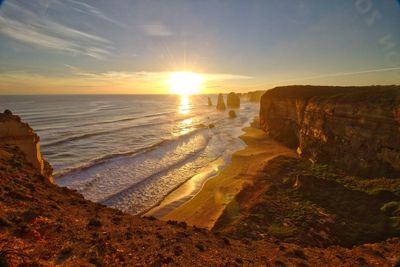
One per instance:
(201, 204)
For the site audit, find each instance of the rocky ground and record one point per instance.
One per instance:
(42, 224)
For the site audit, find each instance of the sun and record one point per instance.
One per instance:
(185, 83)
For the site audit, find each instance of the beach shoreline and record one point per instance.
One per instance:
(202, 204)
(186, 190)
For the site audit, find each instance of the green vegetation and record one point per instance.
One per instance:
(314, 204)
(391, 208)
(281, 231)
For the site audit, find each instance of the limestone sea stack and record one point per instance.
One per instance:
(356, 129)
(221, 103)
(17, 133)
(209, 102)
(233, 100)
(254, 96)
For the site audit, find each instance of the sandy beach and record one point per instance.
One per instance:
(205, 207)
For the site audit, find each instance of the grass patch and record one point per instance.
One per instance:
(391, 208)
(281, 231)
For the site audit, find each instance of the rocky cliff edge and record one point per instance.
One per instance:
(354, 128)
(15, 132)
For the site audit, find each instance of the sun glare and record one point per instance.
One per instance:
(185, 83)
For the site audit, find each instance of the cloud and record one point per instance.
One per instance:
(113, 76)
(159, 30)
(336, 74)
(225, 77)
(119, 76)
(79, 81)
(75, 81)
(87, 9)
(21, 24)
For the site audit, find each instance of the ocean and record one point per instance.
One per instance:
(130, 151)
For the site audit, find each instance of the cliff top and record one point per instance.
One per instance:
(342, 93)
(7, 115)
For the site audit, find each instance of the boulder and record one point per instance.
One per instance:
(232, 114)
(221, 103)
(233, 100)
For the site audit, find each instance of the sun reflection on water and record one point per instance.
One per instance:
(184, 105)
(183, 127)
(187, 122)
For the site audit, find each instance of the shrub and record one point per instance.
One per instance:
(200, 247)
(391, 208)
(94, 222)
(280, 231)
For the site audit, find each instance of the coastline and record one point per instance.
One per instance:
(185, 191)
(202, 204)
(266, 207)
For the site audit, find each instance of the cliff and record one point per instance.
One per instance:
(354, 128)
(15, 132)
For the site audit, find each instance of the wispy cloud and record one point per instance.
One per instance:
(336, 74)
(225, 77)
(112, 76)
(21, 24)
(121, 76)
(78, 81)
(90, 10)
(159, 30)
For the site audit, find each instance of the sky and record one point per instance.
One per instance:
(132, 47)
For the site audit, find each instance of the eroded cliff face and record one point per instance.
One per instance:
(354, 128)
(15, 132)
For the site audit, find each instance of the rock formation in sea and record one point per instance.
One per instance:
(232, 114)
(233, 100)
(221, 103)
(209, 102)
(254, 96)
(354, 128)
(15, 132)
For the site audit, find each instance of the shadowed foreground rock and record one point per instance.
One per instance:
(221, 103)
(355, 128)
